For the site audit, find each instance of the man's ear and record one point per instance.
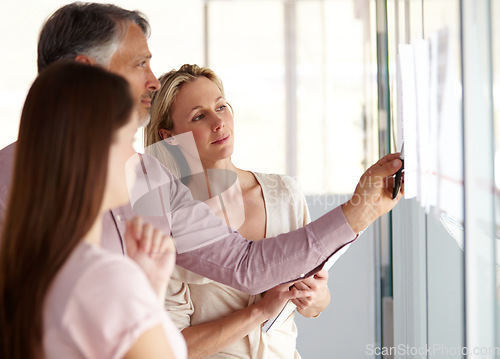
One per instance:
(84, 59)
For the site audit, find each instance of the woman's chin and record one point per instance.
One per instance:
(219, 155)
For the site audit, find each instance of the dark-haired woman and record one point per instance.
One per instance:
(61, 295)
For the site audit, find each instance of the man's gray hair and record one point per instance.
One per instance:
(90, 29)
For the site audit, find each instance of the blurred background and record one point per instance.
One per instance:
(313, 84)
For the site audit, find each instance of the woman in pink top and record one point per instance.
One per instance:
(61, 295)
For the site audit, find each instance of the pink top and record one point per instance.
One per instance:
(99, 304)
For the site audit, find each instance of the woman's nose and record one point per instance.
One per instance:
(218, 123)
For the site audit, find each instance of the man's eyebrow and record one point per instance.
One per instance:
(144, 57)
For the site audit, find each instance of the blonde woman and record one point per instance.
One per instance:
(218, 321)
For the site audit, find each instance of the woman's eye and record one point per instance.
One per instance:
(142, 64)
(199, 117)
(221, 108)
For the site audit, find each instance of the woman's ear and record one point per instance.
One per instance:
(164, 134)
(167, 136)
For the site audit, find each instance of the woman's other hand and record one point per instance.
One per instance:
(153, 251)
(275, 298)
(314, 304)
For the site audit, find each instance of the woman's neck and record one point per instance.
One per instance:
(225, 164)
(246, 178)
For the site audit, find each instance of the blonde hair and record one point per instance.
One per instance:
(161, 112)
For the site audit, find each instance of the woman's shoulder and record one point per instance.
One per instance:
(93, 272)
(94, 258)
(109, 297)
(284, 198)
(278, 181)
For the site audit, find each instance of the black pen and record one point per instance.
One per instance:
(399, 175)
